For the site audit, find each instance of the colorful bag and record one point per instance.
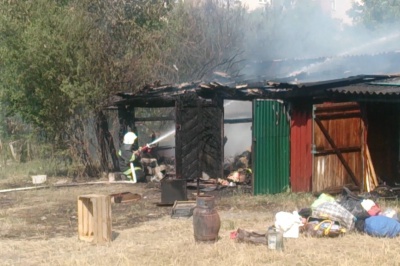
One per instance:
(322, 228)
(335, 212)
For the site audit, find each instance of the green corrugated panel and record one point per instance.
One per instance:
(271, 147)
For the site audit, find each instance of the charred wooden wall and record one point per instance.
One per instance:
(199, 134)
(211, 151)
(126, 117)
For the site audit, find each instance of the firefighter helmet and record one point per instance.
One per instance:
(130, 138)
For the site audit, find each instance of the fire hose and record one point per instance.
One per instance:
(147, 148)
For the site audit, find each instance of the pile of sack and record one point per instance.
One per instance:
(332, 217)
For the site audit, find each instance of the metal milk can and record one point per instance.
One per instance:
(206, 221)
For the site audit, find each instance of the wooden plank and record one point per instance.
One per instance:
(160, 118)
(371, 166)
(13, 153)
(338, 116)
(238, 120)
(337, 107)
(367, 180)
(108, 218)
(342, 150)
(80, 215)
(88, 225)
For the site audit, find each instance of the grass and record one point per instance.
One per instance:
(170, 242)
(39, 227)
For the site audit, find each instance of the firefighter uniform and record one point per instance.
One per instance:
(126, 156)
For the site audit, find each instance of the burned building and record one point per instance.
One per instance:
(307, 136)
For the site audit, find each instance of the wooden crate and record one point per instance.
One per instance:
(94, 218)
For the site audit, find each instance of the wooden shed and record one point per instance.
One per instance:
(198, 125)
(347, 134)
(341, 131)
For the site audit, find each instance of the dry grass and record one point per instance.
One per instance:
(170, 242)
(40, 228)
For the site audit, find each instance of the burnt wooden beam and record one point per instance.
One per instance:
(344, 107)
(337, 151)
(123, 124)
(355, 114)
(105, 140)
(155, 118)
(238, 121)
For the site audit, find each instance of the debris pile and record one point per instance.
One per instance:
(238, 169)
(330, 216)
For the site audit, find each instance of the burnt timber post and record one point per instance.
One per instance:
(126, 117)
(106, 143)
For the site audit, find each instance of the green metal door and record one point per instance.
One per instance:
(270, 147)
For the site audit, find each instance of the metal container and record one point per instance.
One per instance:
(172, 190)
(206, 220)
(274, 239)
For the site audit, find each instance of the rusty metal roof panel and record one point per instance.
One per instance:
(368, 90)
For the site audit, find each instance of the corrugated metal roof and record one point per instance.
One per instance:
(383, 87)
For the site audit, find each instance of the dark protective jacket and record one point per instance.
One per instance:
(125, 156)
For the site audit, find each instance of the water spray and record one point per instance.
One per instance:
(162, 137)
(329, 60)
(150, 145)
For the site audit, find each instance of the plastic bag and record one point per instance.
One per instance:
(322, 199)
(354, 207)
(382, 226)
(335, 212)
(323, 228)
(371, 207)
(288, 223)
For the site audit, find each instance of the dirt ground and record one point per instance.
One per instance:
(39, 227)
(52, 212)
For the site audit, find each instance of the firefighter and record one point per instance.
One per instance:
(130, 159)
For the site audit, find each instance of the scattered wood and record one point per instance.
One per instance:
(335, 190)
(222, 74)
(250, 237)
(125, 197)
(14, 155)
(370, 166)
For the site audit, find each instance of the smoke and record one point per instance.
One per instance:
(279, 39)
(239, 135)
(305, 30)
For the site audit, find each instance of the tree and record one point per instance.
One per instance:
(200, 38)
(376, 13)
(60, 64)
